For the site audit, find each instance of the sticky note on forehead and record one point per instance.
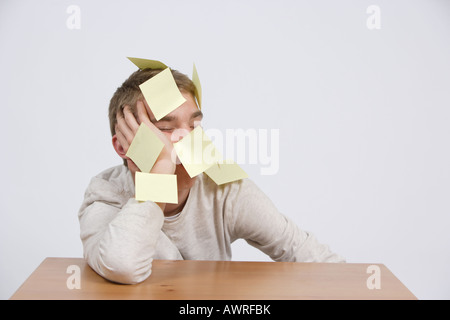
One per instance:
(147, 64)
(226, 172)
(145, 148)
(156, 187)
(196, 152)
(162, 94)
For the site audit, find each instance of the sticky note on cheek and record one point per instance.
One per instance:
(196, 152)
(226, 172)
(162, 94)
(145, 148)
(156, 187)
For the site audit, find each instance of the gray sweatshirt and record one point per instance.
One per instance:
(122, 236)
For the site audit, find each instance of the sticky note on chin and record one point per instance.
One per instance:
(196, 152)
(162, 94)
(145, 148)
(226, 172)
(156, 187)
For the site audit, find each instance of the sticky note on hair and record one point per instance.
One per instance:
(145, 148)
(198, 87)
(147, 64)
(162, 94)
(156, 187)
(226, 172)
(196, 152)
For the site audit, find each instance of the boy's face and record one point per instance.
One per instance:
(181, 121)
(176, 125)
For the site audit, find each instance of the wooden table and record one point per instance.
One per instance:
(214, 280)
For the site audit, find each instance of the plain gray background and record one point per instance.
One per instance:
(363, 117)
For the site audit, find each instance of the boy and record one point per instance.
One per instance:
(122, 236)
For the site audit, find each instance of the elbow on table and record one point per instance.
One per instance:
(128, 276)
(124, 272)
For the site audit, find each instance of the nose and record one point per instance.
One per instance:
(180, 133)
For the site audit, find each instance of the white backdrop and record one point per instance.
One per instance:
(363, 117)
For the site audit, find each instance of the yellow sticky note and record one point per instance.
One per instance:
(156, 187)
(226, 172)
(196, 152)
(145, 148)
(198, 87)
(147, 64)
(162, 94)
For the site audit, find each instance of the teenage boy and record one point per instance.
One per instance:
(122, 236)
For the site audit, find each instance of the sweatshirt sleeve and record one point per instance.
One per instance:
(119, 234)
(256, 220)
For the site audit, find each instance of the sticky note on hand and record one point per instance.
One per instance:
(156, 187)
(226, 172)
(145, 148)
(196, 152)
(162, 94)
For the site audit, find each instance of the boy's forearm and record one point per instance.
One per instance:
(258, 221)
(124, 251)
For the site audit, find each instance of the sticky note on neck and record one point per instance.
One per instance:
(162, 94)
(196, 152)
(145, 148)
(156, 187)
(226, 172)
(198, 87)
(147, 64)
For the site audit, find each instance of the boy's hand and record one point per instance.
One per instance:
(126, 128)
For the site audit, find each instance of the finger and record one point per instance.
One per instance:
(147, 108)
(123, 128)
(123, 141)
(130, 119)
(142, 112)
(144, 116)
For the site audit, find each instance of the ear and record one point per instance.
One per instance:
(118, 147)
